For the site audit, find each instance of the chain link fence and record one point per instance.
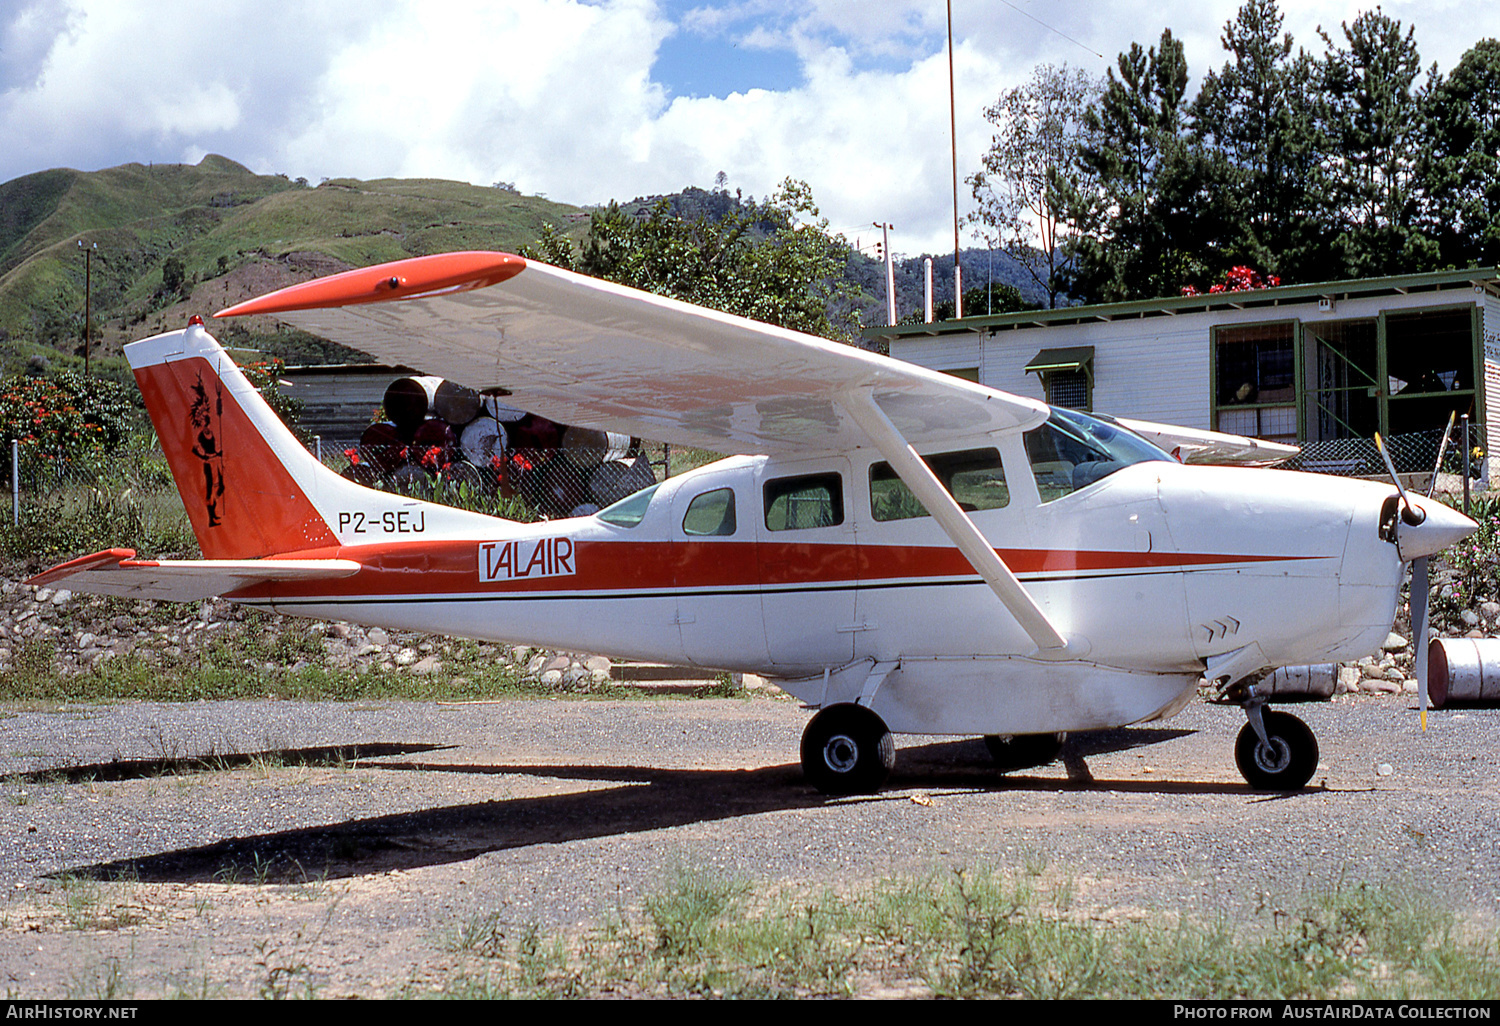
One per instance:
(1413, 455)
(127, 497)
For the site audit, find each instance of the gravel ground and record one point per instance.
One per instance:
(354, 839)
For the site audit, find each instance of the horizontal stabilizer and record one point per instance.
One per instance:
(117, 572)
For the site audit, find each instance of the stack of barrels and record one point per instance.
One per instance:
(440, 436)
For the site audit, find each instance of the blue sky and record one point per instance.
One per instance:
(588, 101)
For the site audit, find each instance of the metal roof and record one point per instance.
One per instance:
(1486, 278)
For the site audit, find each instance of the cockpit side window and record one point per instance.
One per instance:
(798, 503)
(974, 477)
(710, 514)
(1073, 450)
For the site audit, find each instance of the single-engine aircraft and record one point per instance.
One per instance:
(904, 551)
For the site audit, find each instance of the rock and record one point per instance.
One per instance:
(377, 636)
(426, 665)
(1393, 642)
(1382, 687)
(1385, 769)
(1469, 617)
(60, 596)
(1348, 679)
(338, 630)
(1490, 610)
(1475, 633)
(552, 678)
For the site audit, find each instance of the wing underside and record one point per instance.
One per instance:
(585, 351)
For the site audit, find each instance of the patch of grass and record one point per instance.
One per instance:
(90, 904)
(980, 933)
(106, 980)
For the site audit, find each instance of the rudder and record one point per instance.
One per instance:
(243, 476)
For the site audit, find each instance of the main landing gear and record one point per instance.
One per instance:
(847, 749)
(1275, 751)
(1023, 751)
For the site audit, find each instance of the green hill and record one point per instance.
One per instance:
(232, 232)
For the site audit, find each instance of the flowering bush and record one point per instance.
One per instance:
(265, 375)
(1474, 562)
(48, 420)
(1237, 279)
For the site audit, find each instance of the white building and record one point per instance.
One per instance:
(1296, 363)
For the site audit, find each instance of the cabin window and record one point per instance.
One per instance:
(973, 477)
(799, 503)
(630, 510)
(710, 514)
(1073, 450)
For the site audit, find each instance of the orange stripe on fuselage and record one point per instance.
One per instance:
(440, 568)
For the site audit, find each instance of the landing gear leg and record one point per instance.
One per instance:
(847, 749)
(1275, 751)
(1023, 751)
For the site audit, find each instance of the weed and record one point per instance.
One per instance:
(87, 905)
(482, 934)
(284, 971)
(686, 914)
(107, 981)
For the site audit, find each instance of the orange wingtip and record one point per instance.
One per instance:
(401, 279)
(91, 562)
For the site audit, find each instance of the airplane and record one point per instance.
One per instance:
(904, 551)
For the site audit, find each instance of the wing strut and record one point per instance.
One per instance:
(918, 476)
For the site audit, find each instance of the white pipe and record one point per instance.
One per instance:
(927, 307)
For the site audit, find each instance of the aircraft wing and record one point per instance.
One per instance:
(584, 351)
(118, 572)
(1191, 445)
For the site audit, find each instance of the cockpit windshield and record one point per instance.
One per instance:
(1073, 450)
(629, 510)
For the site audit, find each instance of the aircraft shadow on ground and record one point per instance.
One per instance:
(140, 769)
(646, 799)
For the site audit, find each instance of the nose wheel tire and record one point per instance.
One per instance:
(1023, 751)
(1287, 763)
(847, 749)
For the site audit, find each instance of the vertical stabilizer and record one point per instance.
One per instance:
(243, 476)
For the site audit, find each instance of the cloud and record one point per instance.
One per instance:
(561, 96)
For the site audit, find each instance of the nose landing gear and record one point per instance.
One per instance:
(1275, 751)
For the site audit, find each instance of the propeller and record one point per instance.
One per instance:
(1420, 588)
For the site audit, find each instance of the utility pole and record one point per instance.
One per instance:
(958, 273)
(88, 311)
(890, 273)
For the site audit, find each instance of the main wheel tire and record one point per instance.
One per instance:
(847, 749)
(1023, 751)
(1290, 760)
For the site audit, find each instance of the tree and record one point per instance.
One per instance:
(173, 274)
(1255, 114)
(1033, 158)
(1459, 164)
(1370, 114)
(1148, 227)
(773, 261)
